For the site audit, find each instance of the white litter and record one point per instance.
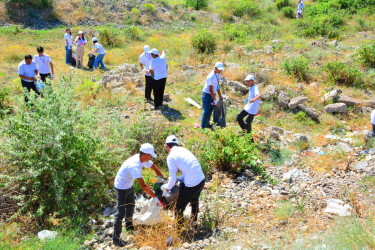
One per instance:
(46, 234)
(338, 207)
(151, 213)
(192, 102)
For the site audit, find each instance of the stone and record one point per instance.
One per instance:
(334, 43)
(278, 130)
(238, 86)
(187, 67)
(338, 207)
(309, 111)
(269, 92)
(301, 137)
(366, 110)
(109, 232)
(203, 66)
(293, 104)
(186, 245)
(283, 99)
(332, 95)
(350, 102)
(47, 235)
(314, 85)
(362, 166)
(371, 103)
(335, 108)
(274, 135)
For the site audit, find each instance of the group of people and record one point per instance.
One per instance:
(192, 183)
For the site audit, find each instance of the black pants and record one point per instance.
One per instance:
(148, 88)
(158, 87)
(373, 129)
(29, 86)
(43, 77)
(125, 208)
(189, 195)
(246, 126)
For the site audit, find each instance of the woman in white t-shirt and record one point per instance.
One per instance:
(68, 46)
(251, 107)
(80, 51)
(98, 49)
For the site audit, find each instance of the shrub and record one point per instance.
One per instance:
(236, 32)
(150, 7)
(367, 55)
(197, 4)
(288, 12)
(342, 74)
(135, 33)
(4, 107)
(204, 41)
(280, 4)
(246, 8)
(297, 67)
(110, 38)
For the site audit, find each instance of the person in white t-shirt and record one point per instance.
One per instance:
(209, 94)
(80, 41)
(192, 178)
(158, 68)
(145, 61)
(251, 107)
(44, 64)
(130, 170)
(98, 49)
(68, 46)
(27, 70)
(373, 122)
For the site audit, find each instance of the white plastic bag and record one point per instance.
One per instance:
(46, 234)
(151, 213)
(338, 207)
(173, 194)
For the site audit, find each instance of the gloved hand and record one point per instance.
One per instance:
(214, 102)
(158, 202)
(70, 47)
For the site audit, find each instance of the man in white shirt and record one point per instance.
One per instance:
(98, 49)
(27, 70)
(44, 63)
(68, 46)
(251, 107)
(373, 122)
(158, 67)
(130, 170)
(145, 60)
(192, 177)
(209, 94)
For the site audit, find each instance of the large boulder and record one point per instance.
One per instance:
(350, 102)
(238, 86)
(336, 108)
(283, 99)
(370, 103)
(293, 104)
(269, 92)
(309, 111)
(332, 95)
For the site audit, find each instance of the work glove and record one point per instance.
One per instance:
(158, 202)
(214, 102)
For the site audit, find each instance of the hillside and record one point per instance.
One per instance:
(312, 134)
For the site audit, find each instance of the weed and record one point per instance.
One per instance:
(367, 55)
(297, 67)
(197, 4)
(150, 8)
(343, 74)
(284, 210)
(288, 12)
(301, 117)
(280, 4)
(135, 33)
(204, 41)
(110, 38)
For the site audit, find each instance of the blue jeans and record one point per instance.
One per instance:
(68, 54)
(99, 59)
(207, 109)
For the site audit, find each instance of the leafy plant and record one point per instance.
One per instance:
(297, 67)
(135, 33)
(110, 38)
(342, 74)
(197, 4)
(4, 106)
(204, 41)
(280, 4)
(288, 12)
(150, 8)
(367, 55)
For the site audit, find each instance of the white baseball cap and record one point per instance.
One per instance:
(219, 66)
(94, 39)
(147, 148)
(249, 78)
(146, 48)
(171, 139)
(154, 51)
(80, 32)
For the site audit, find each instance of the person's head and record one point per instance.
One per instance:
(249, 80)
(154, 53)
(146, 49)
(40, 50)
(68, 31)
(80, 34)
(94, 40)
(219, 67)
(146, 152)
(171, 142)
(28, 59)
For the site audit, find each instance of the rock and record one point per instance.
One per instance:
(371, 103)
(109, 232)
(238, 86)
(334, 43)
(314, 85)
(274, 135)
(296, 101)
(269, 92)
(186, 245)
(309, 111)
(332, 95)
(275, 42)
(166, 97)
(283, 99)
(231, 65)
(338, 207)
(335, 108)
(278, 130)
(348, 100)
(46, 234)
(187, 67)
(301, 137)
(203, 66)
(366, 110)
(107, 211)
(362, 166)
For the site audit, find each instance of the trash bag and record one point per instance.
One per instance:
(90, 63)
(151, 213)
(220, 113)
(338, 207)
(169, 199)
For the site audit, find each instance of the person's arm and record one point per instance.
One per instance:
(172, 174)
(146, 188)
(26, 77)
(141, 66)
(162, 54)
(255, 98)
(76, 40)
(151, 68)
(219, 92)
(211, 88)
(157, 171)
(36, 72)
(52, 70)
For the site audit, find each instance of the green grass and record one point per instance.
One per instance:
(284, 210)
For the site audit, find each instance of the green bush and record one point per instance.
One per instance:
(204, 41)
(280, 4)
(237, 32)
(57, 156)
(288, 12)
(4, 106)
(135, 33)
(150, 7)
(246, 8)
(197, 4)
(297, 67)
(342, 74)
(110, 38)
(367, 55)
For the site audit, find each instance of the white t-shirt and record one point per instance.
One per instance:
(100, 47)
(213, 79)
(145, 59)
(80, 42)
(159, 66)
(130, 170)
(69, 38)
(373, 117)
(182, 159)
(43, 63)
(252, 108)
(27, 69)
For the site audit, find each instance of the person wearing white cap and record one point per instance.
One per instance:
(68, 46)
(209, 94)
(98, 49)
(145, 60)
(80, 51)
(158, 68)
(192, 178)
(251, 107)
(130, 170)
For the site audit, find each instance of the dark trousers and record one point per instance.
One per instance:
(29, 86)
(43, 77)
(208, 107)
(148, 88)
(189, 195)
(125, 208)
(158, 86)
(246, 126)
(373, 129)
